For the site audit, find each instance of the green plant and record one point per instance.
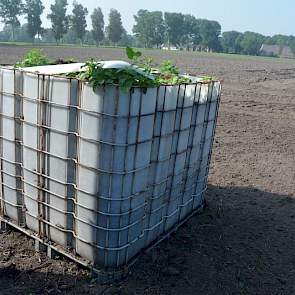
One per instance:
(34, 57)
(127, 77)
(207, 78)
(167, 74)
(140, 74)
(96, 75)
(132, 54)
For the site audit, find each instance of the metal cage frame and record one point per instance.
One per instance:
(156, 143)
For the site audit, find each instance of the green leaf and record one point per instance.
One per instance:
(34, 57)
(132, 54)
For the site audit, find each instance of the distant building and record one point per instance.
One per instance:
(167, 47)
(276, 50)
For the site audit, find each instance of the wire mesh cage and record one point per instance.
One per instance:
(104, 174)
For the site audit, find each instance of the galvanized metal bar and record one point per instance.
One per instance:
(118, 222)
(99, 197)
(18, 113)
(92, 113)
(72, 154)
(2, 204)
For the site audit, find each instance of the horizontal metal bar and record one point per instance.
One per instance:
(103, 197)
(112, 230)
(102, 142)
(102, 114)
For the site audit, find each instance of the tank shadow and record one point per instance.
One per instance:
(243, 243)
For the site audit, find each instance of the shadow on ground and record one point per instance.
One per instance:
(243, 243)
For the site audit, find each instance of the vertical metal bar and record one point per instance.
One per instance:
(18, 114)
(2, 203)
(47, 123)
(44, 155)
(71, 164)
(99, 181)
(41, 157)
(38, 155)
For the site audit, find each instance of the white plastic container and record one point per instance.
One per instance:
(104, 173)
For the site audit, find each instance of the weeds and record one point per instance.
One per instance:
(142, 73)
(34, 57)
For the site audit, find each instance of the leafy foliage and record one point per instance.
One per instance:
(10, 10)
(142, 74)
(133, 54)
(96, 75)
(210, 32)
(175, 27)
(191, 32)
(34, 10)
(149, 28)
(115, 28)
(78, 20)
(251, 43)
(231, 41)
(59, 19)
(35, 57)
(97, 20)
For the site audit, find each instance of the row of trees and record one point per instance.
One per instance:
(151, 29)
(183, 30)
(61, 22)
(250, 42)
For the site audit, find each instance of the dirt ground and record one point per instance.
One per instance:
(244, 241)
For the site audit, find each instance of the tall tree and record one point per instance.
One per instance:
(10, 10)
(34, 10)
(191, 33)
(59, 19)
(231, 41)
(210, 32)
(251, 43)
(280, 39)
(97, 20)
(149, 27)
(115, 28)
(78, 20)
(175, 27)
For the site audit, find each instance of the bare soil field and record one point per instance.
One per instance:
(244, 241)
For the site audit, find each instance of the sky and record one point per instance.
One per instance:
(267, 17)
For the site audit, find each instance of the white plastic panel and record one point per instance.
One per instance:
(7, 106)
(31, 91)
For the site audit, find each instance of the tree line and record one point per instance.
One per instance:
(69, 28)
(151, 29)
